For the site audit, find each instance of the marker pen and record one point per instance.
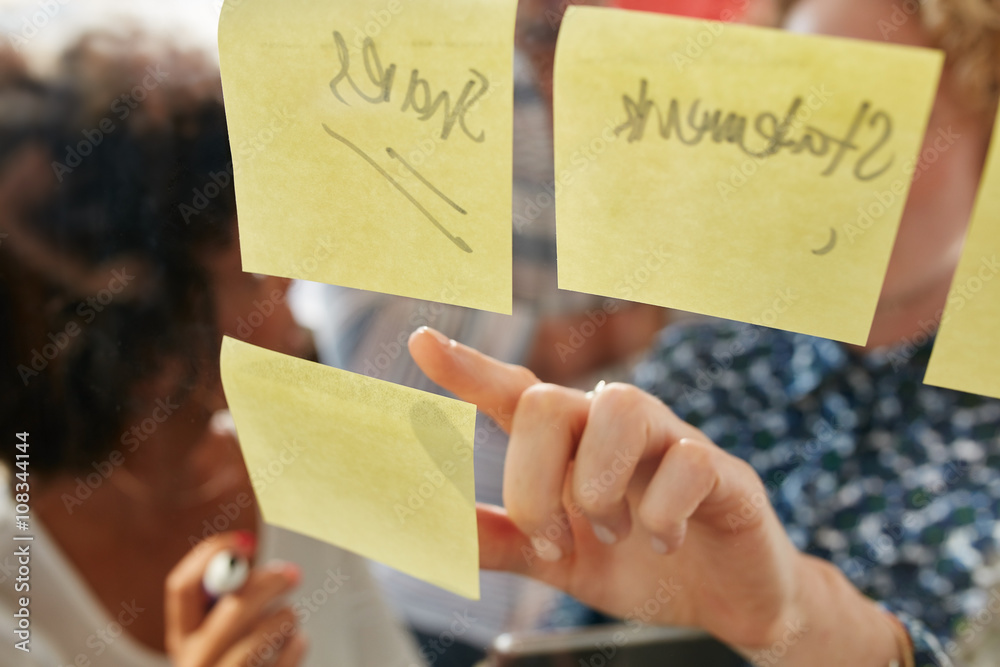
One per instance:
(226, 573)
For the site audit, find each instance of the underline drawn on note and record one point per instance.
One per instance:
(427, 214)
(397, 156)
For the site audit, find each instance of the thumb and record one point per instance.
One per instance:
(493, 386)
(505, 548)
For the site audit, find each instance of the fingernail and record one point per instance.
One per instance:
(604, 534)
(546, 549)
(659, 546)
(438, 336)
(246, 541)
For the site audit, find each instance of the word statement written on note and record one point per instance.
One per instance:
(772, 170)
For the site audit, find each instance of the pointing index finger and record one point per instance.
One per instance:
(493, 386)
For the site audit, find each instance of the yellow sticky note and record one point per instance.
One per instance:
(734, 171)
(966, 354)
(377, 468)
(372, 143)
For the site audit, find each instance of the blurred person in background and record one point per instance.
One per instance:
(117, 281)
(891, 453)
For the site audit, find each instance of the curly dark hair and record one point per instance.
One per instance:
(104, 230)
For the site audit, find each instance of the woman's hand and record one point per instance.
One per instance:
(614, 499)
(242, 628)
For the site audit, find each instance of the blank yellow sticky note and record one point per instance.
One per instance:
(734, 171)
(367, 465)
(372, 143)
(966, 354)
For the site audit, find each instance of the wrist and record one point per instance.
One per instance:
(826, 621)
(792, 622)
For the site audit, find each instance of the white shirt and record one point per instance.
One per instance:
(337, 605)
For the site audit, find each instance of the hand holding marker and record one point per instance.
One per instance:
(219, 610)
(226, 573)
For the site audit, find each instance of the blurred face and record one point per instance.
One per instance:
(930, 236)
(248, 307)
(253, 308)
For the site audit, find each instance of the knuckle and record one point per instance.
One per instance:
(619, 397)
(698, 462)
(656, 520)
(625, 404)
(744, 469)
(694, 454)
(746, 476)
(541, 399)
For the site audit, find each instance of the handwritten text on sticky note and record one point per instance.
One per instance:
(381, 469)
(770, 171)
(395, 174)
(966, 354)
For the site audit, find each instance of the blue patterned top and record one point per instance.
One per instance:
(894, 481)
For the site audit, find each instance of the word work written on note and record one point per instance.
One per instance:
(420, 100)
(400, 150)
(773, 163)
